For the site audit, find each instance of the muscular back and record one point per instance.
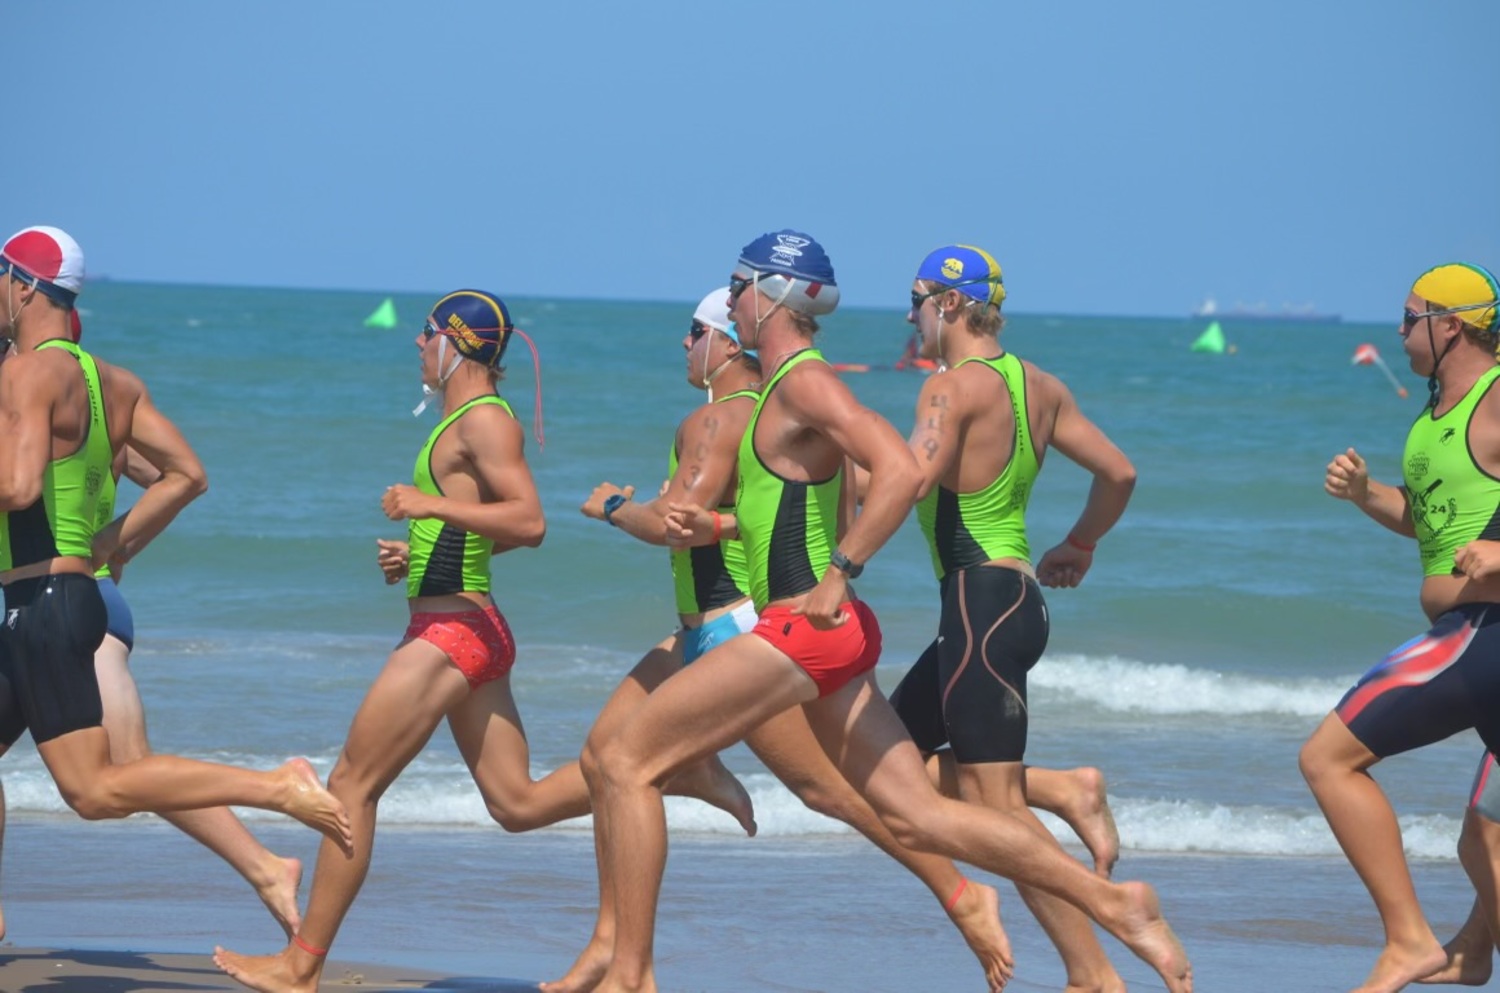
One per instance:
(787, 440)
(978, 400)
(44, 414)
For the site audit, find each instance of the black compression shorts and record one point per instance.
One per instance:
(969, 687)
(53, 625)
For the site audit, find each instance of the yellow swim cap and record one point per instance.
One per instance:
(1468, 290)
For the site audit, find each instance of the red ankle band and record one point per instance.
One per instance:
(320, 952)
(963, 884)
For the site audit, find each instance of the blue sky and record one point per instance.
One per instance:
(1117, 158)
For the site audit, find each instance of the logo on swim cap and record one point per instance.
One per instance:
(788, 250)
(953, 269)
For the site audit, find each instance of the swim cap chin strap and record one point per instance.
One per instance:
(536, 362)
(709, 377)
(754, 287)
(968, 302)
(11, 313)
(429, 392)
(1431, 381)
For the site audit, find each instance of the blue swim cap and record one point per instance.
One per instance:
(969, 270)
(477, 323)
(797, 258)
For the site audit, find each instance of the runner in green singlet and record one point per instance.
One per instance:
(984, 423)
(63, 418)
(472, 497)
(274, 879)
(1447, 680)
(711, 584)
(816, 644)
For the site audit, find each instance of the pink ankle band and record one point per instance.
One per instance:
(963, 884)
(320, 952)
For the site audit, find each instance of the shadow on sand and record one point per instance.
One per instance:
(34, 970)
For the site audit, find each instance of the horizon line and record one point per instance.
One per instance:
(1281, 317)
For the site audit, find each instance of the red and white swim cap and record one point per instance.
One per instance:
(48, 257)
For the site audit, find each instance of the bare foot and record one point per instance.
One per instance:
(1470, 960)
(613, 984)
(1397, 967)
(1146, 933)
(307, 800)
(279, 893)
(1090, 818)
(266, 973)
(586, 972)
(715, 785)
(977, 917)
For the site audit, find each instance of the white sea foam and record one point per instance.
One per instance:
(1128, 686)
(441, 795)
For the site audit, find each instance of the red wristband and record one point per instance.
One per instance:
(1080, 545)
(718, 524)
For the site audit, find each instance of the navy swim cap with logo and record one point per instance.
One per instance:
(796, 258)
(477, 323)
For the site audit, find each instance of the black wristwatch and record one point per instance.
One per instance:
(612, 503)
(843, 564)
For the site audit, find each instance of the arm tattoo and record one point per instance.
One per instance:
(934, 427)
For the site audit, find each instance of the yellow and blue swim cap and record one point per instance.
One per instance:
(477, 323)
(972, 271)
(1468, 291)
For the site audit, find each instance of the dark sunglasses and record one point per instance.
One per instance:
(1409, 318)
(699, 329)
(738, 284)
(917, 299)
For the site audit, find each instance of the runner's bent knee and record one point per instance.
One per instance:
(94, 799)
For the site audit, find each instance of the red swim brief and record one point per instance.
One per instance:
(833, 657)
(478, 641)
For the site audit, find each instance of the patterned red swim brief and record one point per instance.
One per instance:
(478, 641)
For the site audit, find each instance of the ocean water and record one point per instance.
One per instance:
(1223, 617)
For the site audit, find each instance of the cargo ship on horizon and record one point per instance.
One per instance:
(1303, 313)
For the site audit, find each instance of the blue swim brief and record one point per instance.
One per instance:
(697, 641)
(121, 622)
(1484, 795)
